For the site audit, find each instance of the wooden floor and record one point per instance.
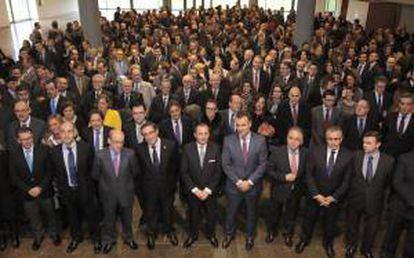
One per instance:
(201, 249)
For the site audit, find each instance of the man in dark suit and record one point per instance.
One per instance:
(188, 95)
(356, 125)
(128, 98)
(96, 135)
(217, 92)
(402, 209)
(177, 128)
(72, 163)
(372, 172)
(310, 82)
(158, 110)
(293, 113)
(327, 177)
(228, 116)
(244, 162)
(201, 174)
(257, 77)
(30, 173)
(53, 103)
(22, 112)
(286, 78)
(78, 81)
(89, 98)
(158, 162)
(379, 99)
(45, 57)
(287, 168)
(399, 127)
(115, 169)
(324, 116)
(372, 72)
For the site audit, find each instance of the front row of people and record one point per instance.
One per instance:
(327, 177)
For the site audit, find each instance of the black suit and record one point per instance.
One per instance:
(375, 109)
(37, 126)
(158, 111)
(285, 120)
(335, 185)
(366, 199)
(264, 85)
(285, 195)
(395, 144)
(116, 191)
(222, 98)
(352, 136)
(402, 208)
(88, 102)
(24, 180)
(195, 176)
(122, 102)
(80, 201)
(194, 98)
(47, 110)
(158, 183)
(167, 131)
(87, 134)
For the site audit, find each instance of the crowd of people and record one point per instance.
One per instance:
(207, 105)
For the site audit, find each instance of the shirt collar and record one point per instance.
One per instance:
(375, 154)
(28, 121)
(291, 151)
(30, 150)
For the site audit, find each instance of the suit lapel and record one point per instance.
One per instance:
(109, 162)
(62, 162)
(285, 157)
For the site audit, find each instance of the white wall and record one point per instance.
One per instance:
(358, 10)
(4, 17)
(407, 17)
(61, 10)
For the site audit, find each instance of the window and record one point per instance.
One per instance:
(177, 5)
(223, 3)
(108, 7)
(331, 6)
(144, 5)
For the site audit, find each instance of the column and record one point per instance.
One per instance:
(89, 17)
(304, 21)
(344, 8)
(167, 4)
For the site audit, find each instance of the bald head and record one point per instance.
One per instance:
(294, 95)
(116, 140)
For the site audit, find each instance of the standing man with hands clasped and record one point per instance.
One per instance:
(201, 172)
(244, 162)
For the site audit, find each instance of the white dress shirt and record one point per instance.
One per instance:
(157, 149)
(101, 137)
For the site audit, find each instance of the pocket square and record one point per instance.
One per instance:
(211, 160)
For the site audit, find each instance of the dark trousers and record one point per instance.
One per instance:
(234, 201)
(370, 228)
(196, 210)
(34, 210)
(79, 210)
(396, 226)
(159, 204)
(111, 211)
(285, 210)
(330, 215)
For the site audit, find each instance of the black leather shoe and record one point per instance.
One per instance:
(213, 241)
(227, 241)
(350, 251)
(36, 244)
(97, 248)
(151, 242)
(249, 244)
(288, 240)
(173, 239)
(300, 246)
(15, 242)
(367, 254)
(57, 240)
(107, 248)
(132, 245)
(270, 237)
(190, 241)
(329, 251)
(72, 246)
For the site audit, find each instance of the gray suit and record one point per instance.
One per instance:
(319, 125)
(116, 192)
(147, 91)
(235, 169)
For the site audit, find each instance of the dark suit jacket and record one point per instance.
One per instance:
(191, 172)
(394, 143)
(224, 114)
(337, 184)
(279, 167)
(166, 180)
(352, 138)
(285, 120)
(365, 196)
(318, 123)
(234, 166)
(87, 135)
(46, 106)
(157, 113)
(84, 162)
(88, 102)
(134, 99)
(193, 99)
(264, 85)
(112, 188)
(73, 88)
(402, 201)
(167, 130)
(222, 97)
(375, 110)
(37, 126)
(40, 176)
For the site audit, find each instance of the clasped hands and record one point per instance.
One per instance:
(201, 194)
(243, 185)
(324, 200)
(35, 191)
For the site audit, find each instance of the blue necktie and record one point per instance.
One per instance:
(97, 142)
(53, 106)
(73, 178)
(29, 160)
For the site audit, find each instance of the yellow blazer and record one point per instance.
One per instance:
(113, 119)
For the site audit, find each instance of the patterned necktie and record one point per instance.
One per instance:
(202, 155)
(155, 159)
(331, 164)
(370, 169)
(73, 178)
(294, 163)
(327, 115)
(53, 106)
(245, 149)
(294, 115)
(360, 126)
